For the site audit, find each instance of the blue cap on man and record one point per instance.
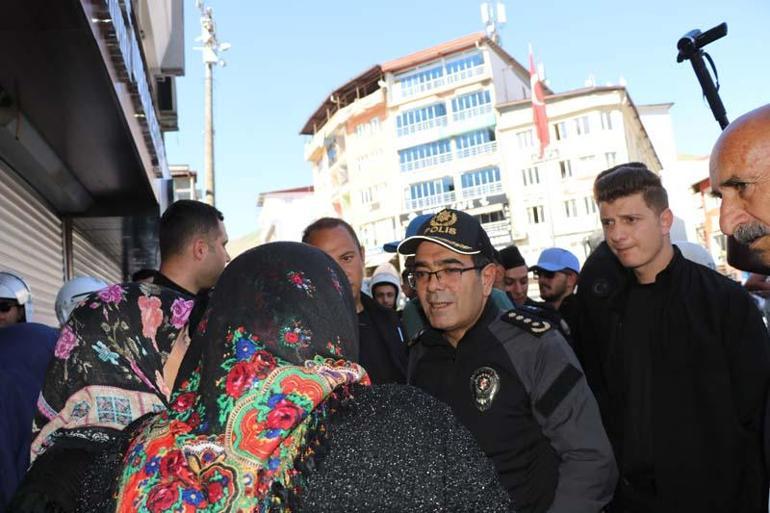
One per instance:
(411, 230)
(557, 259)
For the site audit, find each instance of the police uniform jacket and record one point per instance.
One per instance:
(516, 385)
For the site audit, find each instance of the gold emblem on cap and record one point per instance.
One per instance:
(444, 218)
(442, 223)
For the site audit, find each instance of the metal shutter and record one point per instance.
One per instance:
(88, 260)
(31, 244)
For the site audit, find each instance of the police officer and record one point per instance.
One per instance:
(510, 378)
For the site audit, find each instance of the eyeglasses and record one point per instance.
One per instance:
(6, 306)
(444, 276)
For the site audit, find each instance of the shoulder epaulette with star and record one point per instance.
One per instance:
(529, 323)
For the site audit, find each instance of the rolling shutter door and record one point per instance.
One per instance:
(89, 260)
(31, 244)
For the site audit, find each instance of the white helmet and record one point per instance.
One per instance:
(386, 273)
(696, 253)
(74, 291)
(13, 287)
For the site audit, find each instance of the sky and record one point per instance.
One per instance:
(287, 57)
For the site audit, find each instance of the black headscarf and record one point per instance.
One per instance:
(278, 342)
(107, 369)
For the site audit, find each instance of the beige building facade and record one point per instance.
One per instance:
(452, 126)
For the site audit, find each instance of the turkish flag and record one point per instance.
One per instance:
(538, 105)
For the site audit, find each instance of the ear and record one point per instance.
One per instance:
(666, 221)
(488, 274)
(200, 247)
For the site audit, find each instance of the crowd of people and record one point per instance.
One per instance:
(285, 382)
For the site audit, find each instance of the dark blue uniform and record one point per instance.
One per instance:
(515, 384)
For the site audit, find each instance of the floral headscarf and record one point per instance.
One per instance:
(107, 369)
(277, 342)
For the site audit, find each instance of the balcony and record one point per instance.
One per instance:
(438, 82)
(486, 189)
(472, 112)
(499, 232)
(465, 74)
(422, 126)
(433, 160)
(406, 92)
(438, 200)
(478, 149)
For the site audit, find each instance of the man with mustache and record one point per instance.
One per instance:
(680, 366)
(740, 176)
(510, 378)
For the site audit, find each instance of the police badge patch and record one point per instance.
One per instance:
(485, 384)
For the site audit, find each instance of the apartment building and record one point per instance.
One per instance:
(451, 126)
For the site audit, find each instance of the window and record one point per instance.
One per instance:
(526, 139)
(590, 205)
(566, 168)
(425, 155)
(610, 158)
(581, 125)
(480, 177)
(330, 144)
(371, 194)
(465, 62)
(570, 208)
(423, 118)
(536, 215)
(471, 104)
(438, 73)
(476, 142)
(606, 119)
(422, 77)
(481, 182)
(531, 176)
(490, 217)
(370, 127)
(431, 193)
(560, 130)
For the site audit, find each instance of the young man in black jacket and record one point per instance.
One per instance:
(383, 349)
(680, 366)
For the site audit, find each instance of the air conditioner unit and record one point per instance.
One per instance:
(165, 97)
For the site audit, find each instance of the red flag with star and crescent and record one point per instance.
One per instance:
(538, 105)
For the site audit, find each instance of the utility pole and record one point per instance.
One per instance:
(210, 52)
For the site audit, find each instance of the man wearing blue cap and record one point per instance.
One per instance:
(557, 275)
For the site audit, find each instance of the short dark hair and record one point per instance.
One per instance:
(628, 179)
(480, 260)
(143, 274)
(329, 223)
(182, 221)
